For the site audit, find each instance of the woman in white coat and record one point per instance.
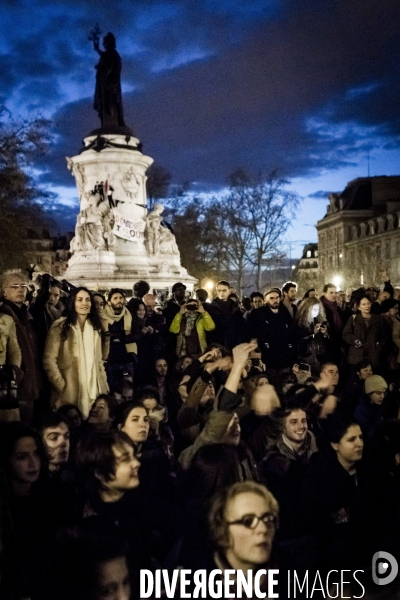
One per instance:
(73, 354)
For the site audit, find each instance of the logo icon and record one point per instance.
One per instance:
(384, 564)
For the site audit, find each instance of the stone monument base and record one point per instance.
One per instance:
(112, 246)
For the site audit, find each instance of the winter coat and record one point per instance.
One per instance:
(373, 339)
(61, 364)
(29, 388)
(203, 323)
(10, 352)
(368, 415)
(283, 471)
(230, 327)
(276, 336)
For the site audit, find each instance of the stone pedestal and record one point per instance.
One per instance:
(111, 243)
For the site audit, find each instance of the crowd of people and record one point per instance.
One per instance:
(198, 434)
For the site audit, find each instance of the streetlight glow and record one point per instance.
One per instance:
(337, 280)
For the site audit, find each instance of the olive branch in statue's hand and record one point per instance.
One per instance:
(94, 36)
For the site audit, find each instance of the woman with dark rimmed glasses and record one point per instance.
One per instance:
(242, 523)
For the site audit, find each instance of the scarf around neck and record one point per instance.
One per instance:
(110, 317)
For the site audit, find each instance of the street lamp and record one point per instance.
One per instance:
(337, 280)
(209, 285)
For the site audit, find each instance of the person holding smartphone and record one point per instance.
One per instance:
(191, 325)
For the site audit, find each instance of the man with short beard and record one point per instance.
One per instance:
(289, 291)
(284, 467)
(120, 362)
(274, 329)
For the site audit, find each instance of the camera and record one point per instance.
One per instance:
(192, 306)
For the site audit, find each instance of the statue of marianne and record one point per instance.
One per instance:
(108, 95)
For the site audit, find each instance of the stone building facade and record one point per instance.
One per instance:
(306, 272)
(360, 233)
(49, 254)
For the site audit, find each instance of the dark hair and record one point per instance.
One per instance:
(141, 288)
(161, 357)
(224, 351)
(111, 402)
(256, 378)
(65, 408)
(325, 364)
(291, 405)
(77, 558)
(388, 304)
(246, 303)
(307, 294)
(214, 467)
(126, 408)
(115, 291)
(201, 294)
(337, 426)
(149, 391)
(72, 317)
(362, 297)
(134, 305)
(223, 282)
(289, 284)
(327, 286)
(49, 419)
(179, 364)
(256, 295)
(95, 456)
(98, 294)
(11, 433)
(362, 364)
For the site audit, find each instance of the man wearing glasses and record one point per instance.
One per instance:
(13, 294)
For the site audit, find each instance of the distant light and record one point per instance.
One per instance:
(340, 255)
(337, 280)
(209, 285)
(293, 267)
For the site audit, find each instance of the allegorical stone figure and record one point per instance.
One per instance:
(153, 229)
(159, 239)
(94, 226)
(108, 95)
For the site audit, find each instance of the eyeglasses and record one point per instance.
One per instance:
(16, 286)
(251, 521)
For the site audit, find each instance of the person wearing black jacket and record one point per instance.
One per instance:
(331, 491)
(274, 329)
(230, 326)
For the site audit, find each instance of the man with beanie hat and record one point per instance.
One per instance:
(369, 410)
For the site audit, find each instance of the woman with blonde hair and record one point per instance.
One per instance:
(315, 346)
(73, 354)
(242, 523)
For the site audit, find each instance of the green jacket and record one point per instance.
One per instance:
(203, 323)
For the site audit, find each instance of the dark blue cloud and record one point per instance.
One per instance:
(304, 86)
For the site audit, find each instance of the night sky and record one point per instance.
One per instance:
(311, 87)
